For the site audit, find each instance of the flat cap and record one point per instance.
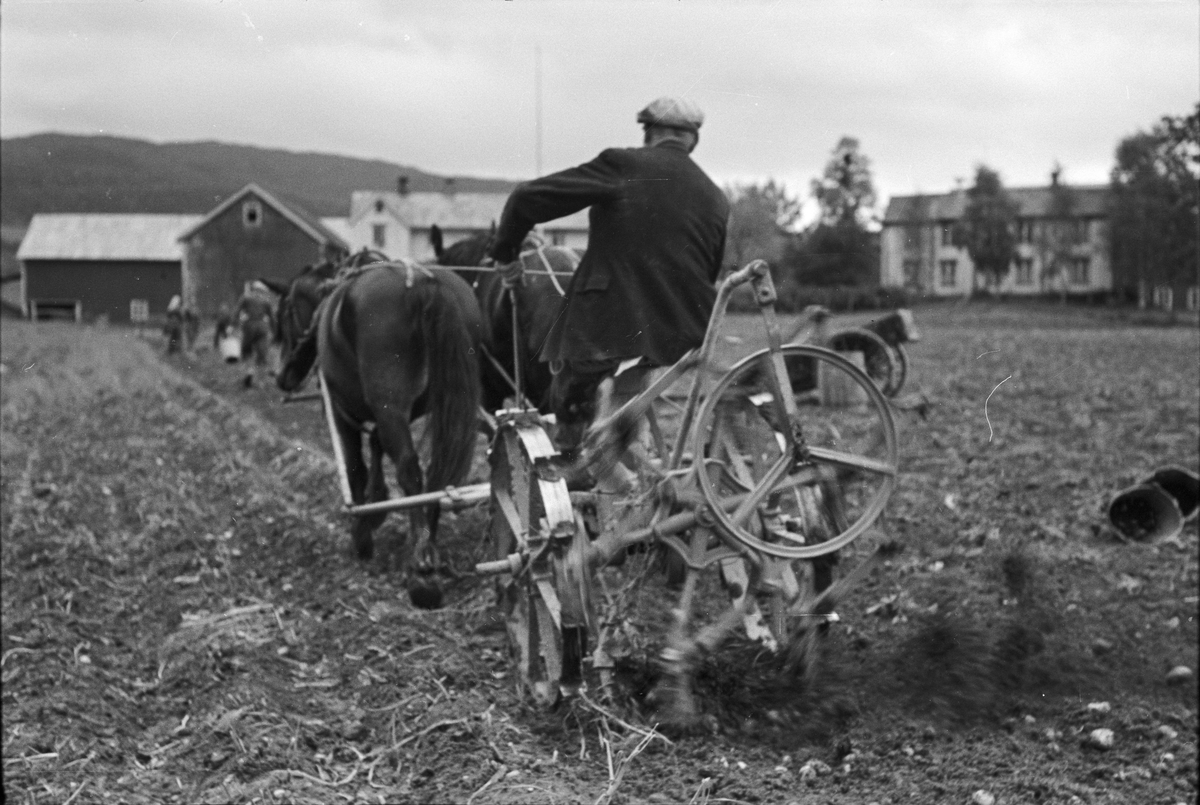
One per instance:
(677, 113)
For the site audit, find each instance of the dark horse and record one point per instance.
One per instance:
(392, 341)
(547, 271)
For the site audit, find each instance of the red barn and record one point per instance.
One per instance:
(251, 234)
(86, 266)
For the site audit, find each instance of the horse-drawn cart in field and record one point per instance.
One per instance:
(761, 472)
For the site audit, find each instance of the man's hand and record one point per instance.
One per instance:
(512, 273)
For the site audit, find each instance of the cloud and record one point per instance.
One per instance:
(929, 88)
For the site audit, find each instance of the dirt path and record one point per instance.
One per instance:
(182, 620)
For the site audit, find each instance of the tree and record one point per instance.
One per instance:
(845, 190)
(986, 228)
(843, 254)
(1154, 218)
(840, 248)
(760, 220)
(1055, 239)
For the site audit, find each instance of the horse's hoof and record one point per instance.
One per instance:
(425, 595)
(364, 546)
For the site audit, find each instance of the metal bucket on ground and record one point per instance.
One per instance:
(1181, 484)
(1145, 513)
(230, 347)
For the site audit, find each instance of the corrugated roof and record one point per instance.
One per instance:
(1032, 202)
(447, 210)
(105, 236)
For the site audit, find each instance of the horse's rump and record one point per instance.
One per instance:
(394, 336)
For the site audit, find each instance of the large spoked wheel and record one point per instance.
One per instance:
(775, 486)
(878, 358)
(546, 599)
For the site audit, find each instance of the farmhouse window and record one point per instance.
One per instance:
(1192, 299)
(912, 273)
(379, 235)
(378, 205)
(1164, 297)
(139, 310)
(1025, 271)
(1079, 271)
(946, 270)
(1024, 230)
(252, 214)
(912, 237)
(947, 234)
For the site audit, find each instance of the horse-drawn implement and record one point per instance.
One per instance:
(763, 472)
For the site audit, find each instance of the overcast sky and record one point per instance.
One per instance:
(930, 89)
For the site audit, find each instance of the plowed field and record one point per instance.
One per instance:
(183, 620)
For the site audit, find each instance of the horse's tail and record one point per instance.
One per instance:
(454, 387)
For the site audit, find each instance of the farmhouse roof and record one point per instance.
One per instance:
(447, 210)
(304, 220)
(104, 236)
(1032, 202)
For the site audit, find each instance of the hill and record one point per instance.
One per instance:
(77, 173)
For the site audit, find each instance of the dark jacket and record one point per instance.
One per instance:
(657, 235)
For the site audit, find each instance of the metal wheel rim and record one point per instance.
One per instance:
(724, 523)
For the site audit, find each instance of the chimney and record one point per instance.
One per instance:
(1055, 172)
(450, 186)
(402, 185)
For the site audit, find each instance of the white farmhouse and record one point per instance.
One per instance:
(398, 223)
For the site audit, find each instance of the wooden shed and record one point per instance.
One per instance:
(251, 234)
(125, 267)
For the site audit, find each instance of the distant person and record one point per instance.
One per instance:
(191, 328)
(255, 316)
(645, 288)
(173, 329)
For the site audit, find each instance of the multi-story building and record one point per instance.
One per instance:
(1055, 253)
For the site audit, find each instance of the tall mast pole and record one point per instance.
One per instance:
(537, 107)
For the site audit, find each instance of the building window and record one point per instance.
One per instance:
(1024, 230)
(252, 214)
(1192, 298)
(379, 235)
(912, 273)
(947, 235)
(1024, 271)
(1078, 271)
(558, 238)
(946, 270)
(912, 237)
(1164, 297)
(139, 311)
(378, 205)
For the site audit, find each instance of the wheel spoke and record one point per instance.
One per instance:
(852, 461)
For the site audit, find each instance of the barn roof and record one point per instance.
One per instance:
(1032, 202)
(339, 227)
(104, 236)
(447, 210)
(297, 215)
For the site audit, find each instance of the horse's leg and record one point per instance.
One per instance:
(395, 435)
(357, 474)
(375, 490)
